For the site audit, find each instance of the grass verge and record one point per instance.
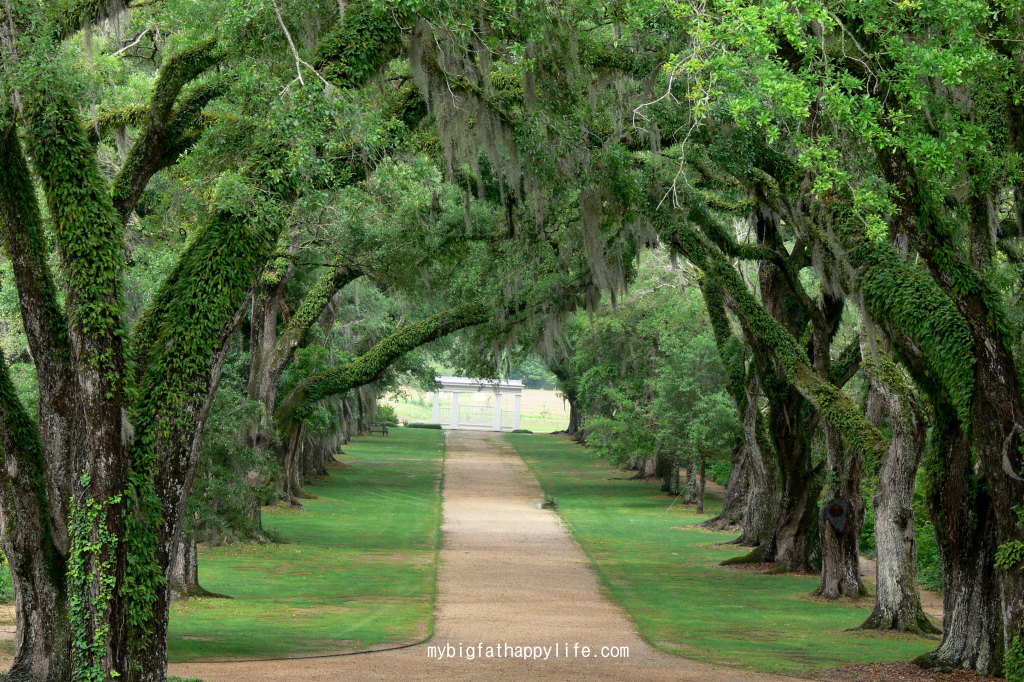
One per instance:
(665, 574)
(358, 568)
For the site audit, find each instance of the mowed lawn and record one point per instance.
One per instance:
(665, 573)
(357, 571)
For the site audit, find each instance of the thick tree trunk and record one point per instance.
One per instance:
(898, 600)
(762, 503)
(647, 468)
(689, 489)
(292, 467)
(734, 503)
(794, 510)
(575, 418)
(840, 522)
(963, 514)
(263, 380)
(43, 641)
(183, 574)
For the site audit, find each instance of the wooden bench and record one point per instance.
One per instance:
(382, 429)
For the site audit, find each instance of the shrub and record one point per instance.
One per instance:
(719, 471)
(386, 415)
(6, 586)
(423, 426)
(929, 564)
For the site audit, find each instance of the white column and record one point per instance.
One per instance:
(437, 406)
(454, 418)
(515, 416)
(497, 411)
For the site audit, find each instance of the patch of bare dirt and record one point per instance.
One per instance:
(897, 672)
(7, 622)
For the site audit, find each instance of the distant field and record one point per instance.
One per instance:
(542, 410)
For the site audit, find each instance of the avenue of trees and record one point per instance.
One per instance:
(782, 234)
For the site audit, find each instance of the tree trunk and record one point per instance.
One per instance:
(689, 490)
(898, 601)
(183, 573)
(291, 466)
(648, 468)
(964, 519)
(784, 521)
(701, 485)
(840, 522)
(575, 418)
(670, 475)
(736, 491)
(263, 380)
(762, 502)
(43, 640)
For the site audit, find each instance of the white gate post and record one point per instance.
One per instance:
(515, 417)
(437, 406)
(454, 419)
(497, 411)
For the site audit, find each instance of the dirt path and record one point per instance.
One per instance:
(511, 576)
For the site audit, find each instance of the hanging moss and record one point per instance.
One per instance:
(70, 16)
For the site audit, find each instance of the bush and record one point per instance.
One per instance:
(6, 586)
(929, 564)
(386, 415)
(719, 471)
(423, 426)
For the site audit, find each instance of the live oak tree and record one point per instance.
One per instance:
(94, 488)
(820, 165)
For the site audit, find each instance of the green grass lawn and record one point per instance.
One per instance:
(665, 573)
(357, 571)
